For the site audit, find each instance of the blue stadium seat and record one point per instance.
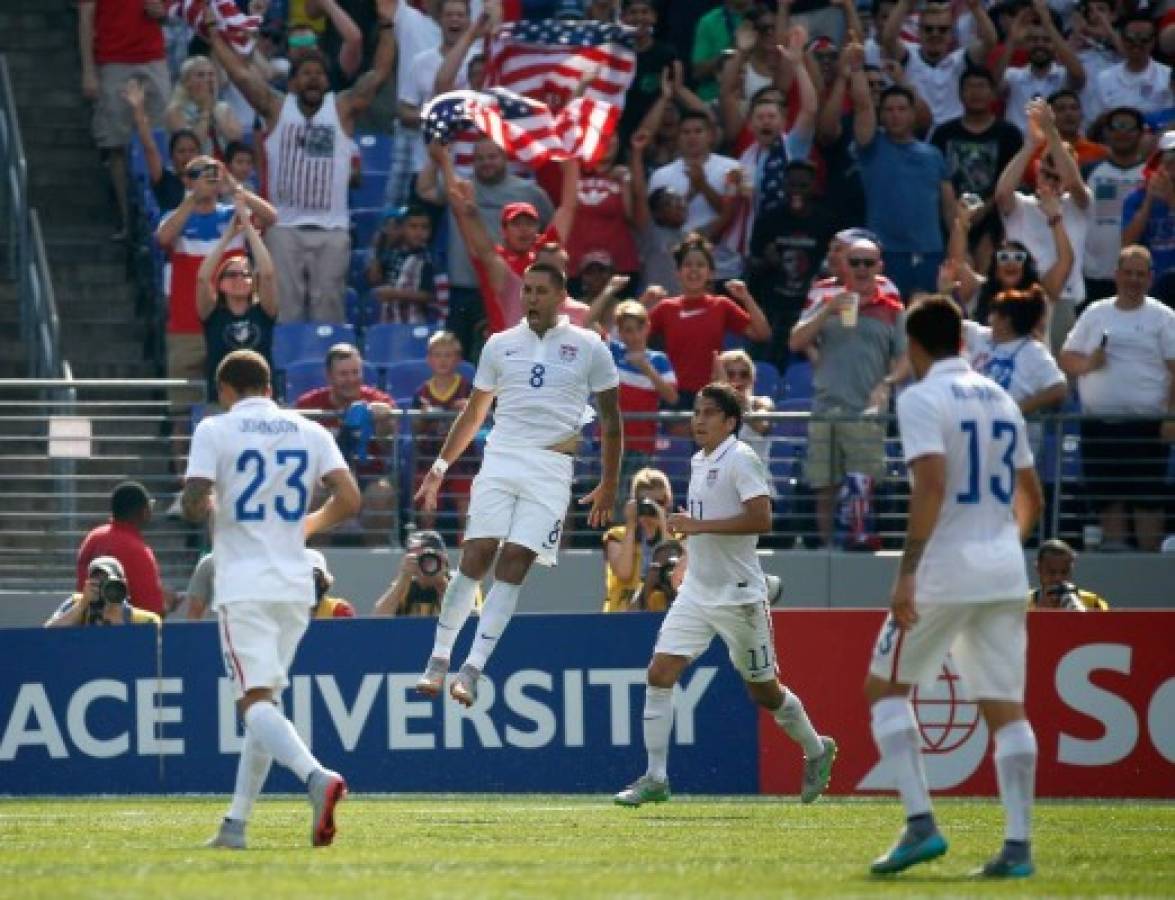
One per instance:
(798, 380)
(673, 455)
(371, 190)
(360, 308)
(375, 151)
(357, 273)
(767, 380)
(296, 341)
(404, 378)
(364, 224)
(302, 376)
(390, 343)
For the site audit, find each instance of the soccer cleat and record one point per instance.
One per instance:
(464, 686)
(645, 789)
(230, 835)
(818, 772)
(1006, 864)
(433, 679)
(909, 851)
(326, 789)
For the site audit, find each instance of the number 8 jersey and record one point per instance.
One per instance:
(264, 463)
(974, 553)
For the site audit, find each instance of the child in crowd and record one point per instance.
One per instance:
(403, 273)
(447, 390)
(242, 164)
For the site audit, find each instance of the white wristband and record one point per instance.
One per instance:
(439, 467)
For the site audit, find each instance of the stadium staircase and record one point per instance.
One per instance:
(103, 334)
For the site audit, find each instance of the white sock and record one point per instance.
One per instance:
(656, 724)
(495, 616)
(895, 731)
(278, 738)
(793, 719)
(252, 771)
(456, 606)
(1015, 769)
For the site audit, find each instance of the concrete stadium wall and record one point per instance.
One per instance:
(811, 579)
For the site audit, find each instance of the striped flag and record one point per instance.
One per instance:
(238, 30)
(548, 59)
(525, 128)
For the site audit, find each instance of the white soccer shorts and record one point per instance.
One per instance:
(520, 496)
(745, 628)
(988, 642)
(258, 641)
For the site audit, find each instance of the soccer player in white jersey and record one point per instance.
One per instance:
(961, 583)
(263, 464)
(542, 372)
(724, 593)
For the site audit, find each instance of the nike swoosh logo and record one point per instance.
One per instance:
(489, 637)
(687, 313)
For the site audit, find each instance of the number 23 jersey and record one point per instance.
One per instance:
(723, 569)
(974, 553)
(265, 463)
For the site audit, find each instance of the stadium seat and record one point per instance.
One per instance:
(798, 380)
(360, 308)
(375, 151)
(402, 379)
(767, 381)
(357, 273)
(673, 455)
(371, 190)
(295, 341)
(385, 345)
(308, 374)
(364, 224)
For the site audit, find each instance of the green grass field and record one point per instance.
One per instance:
(562, 846)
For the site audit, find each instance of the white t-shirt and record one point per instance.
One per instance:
(974, 552)
(724, 568)
(1110, 185)
(1147, 91)
(421, 87)
(1024, 85)
(1135, 378)
(543, 384)
(1022, 367)
(265, 463)
(699, 213)
(415, 33)
(1027, 225)
(938, 85)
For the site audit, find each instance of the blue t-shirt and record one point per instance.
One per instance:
(903, 193)
(1159, 234)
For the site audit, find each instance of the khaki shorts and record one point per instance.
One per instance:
(113, 122)
(185, 356)
(837, 448)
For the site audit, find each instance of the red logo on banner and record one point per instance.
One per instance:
(1101, 697)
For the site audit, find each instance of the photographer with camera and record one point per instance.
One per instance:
(628, 548)
(422, 580)
(1054, 567)
(200, 594)
(662, 579)
(103, 600)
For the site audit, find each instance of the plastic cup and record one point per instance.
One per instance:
(848, 312)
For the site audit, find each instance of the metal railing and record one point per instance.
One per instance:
(27, 260)
(64, 444)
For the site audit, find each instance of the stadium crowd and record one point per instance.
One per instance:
(782, 180)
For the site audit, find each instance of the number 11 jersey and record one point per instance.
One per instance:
(974, 553)
(264, 463)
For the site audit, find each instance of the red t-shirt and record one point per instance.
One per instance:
(125, 543)
(319, 398)
(504, 308)
(693, 330)
(124, 33)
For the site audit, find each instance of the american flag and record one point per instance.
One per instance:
(526, 129)
(547, 59)
(238, 30)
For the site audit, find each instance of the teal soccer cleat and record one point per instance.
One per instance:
(1008, 863)
(910, 851)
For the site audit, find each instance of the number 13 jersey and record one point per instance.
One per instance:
(723, 569)
(974, 553)
(265, 463)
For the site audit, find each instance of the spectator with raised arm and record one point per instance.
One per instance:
(1027, 221)
(1148, 218)
(1138, 81)
(119, 41)
(1122, 353)
(167, 184)
(196, 106)
(906, 213)
(653, 56)
(308, 148)
(932, 66)
(1052, 63)
(658, 221)
(603, 213)
(1110, 182)
(714, 35)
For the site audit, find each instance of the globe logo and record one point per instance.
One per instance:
(946, 720)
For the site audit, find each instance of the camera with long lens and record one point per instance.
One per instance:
(430, 561)
(646, 507)
(665, 572)
(111, 589)
(1067, 596)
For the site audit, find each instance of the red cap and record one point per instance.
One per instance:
(512, 211)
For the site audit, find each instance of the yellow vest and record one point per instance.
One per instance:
(617, 593)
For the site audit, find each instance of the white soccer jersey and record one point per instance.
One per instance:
(724, 569)
(974, 553)
(542, 383)
(264, 462)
